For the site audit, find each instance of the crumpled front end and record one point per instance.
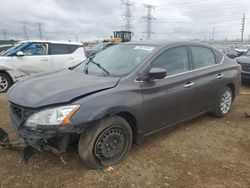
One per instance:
(42, 138)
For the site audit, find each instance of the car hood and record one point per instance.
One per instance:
(243, 59)
(57, 88)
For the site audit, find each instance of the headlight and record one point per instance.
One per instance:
(52, 116)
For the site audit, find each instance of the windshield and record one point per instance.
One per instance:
(248, 53)
(15, 47)
(118, 60)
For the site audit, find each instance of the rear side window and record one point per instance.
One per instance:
(202, 57)
(174, 60)
(218, 56)
(57, 49)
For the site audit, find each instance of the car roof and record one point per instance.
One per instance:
(54, 42)
(165, 43)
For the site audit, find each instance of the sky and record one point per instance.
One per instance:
(84, 20)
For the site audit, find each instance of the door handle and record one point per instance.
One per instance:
(44, 59)
(220, 76)
(189, 84)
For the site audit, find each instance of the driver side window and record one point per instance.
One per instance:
(174, 60)
(35, 49)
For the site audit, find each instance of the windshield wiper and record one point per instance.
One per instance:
(95, 63)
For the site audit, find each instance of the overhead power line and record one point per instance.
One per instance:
(149, 19)
(128, 17)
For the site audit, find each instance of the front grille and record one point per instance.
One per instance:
(20, 112)
(245, 67)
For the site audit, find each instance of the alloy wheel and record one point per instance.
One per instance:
(226, 102)
(3, 83)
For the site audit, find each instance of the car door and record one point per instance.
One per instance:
(208, 74)
(34, 60)
(172, 99)
(65, 55)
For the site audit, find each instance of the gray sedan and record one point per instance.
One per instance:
(121, 96)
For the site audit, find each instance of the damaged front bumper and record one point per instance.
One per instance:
(28, 141)
(45, 138)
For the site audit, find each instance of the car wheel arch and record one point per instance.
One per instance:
(6, 73)
(124, 113)
(232, 88)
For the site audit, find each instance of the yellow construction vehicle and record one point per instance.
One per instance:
(120, 36)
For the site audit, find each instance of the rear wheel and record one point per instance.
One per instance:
(105, 143)
(5, 82)
(224, 105)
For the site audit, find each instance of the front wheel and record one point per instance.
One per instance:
(105, 143)
(5, 82)
(225, 102)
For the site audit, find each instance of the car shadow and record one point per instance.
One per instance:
(245, 83)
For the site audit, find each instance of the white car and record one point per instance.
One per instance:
(26, 58)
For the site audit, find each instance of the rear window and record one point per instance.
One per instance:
(57, 49)
(202, 57)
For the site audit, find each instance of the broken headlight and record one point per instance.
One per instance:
(52, 116)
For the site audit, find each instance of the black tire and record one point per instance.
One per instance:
(110, 136)
(218, 110)
(5, 82)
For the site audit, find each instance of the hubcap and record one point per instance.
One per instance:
(226, 102)
(111, 145)
(3, 83)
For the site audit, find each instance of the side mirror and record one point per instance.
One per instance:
(20, 53)
(157, 73)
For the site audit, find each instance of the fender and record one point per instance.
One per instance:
(6, 68)
(99, 114)
(126, 112)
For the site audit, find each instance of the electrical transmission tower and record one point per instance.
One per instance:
(242, 27)
(25, 35)
(149, 19)
(128, 17)
(40, 30)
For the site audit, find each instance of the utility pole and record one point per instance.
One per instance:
(149, 19)
(128, 17)
(25, 31)
(4, 34)
(213, 34)
(40, 30)
(242, 27)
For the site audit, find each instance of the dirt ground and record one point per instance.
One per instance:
(206, 152)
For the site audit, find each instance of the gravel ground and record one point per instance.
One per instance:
(206, 152)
